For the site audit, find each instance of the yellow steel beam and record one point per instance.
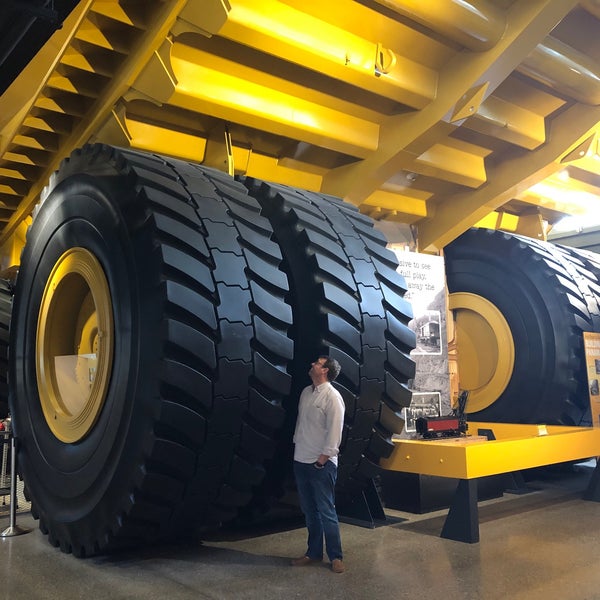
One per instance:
(118, 130)
(17, 100)
(407, 206)
(507, 180)
(530, 225)
(202, 82)
(564, 69)
(476, 24)
(163, 17)
(528, 22)
(300, 38)
(457, 162)
(563, 194)
(516, 447)
(507, 121)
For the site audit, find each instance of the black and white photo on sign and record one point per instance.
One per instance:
(424, 404)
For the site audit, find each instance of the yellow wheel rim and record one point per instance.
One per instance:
(74, 345)
(486, 350)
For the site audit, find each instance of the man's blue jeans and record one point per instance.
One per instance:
(316, 489)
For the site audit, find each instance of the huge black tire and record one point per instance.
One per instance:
(547, 298)
(6, 295)
(347, 302)
(164, 274)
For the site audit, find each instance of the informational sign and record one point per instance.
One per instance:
(426, 283)
(591, 345)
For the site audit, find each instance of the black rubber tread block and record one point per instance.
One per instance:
(182, 422)
(272, 341)
(266, 411)
(391, 420)
(233, 497)
(255, 443)
(233, 380)
(363, 423)
(188, 384)
(191, 346)
(192, 270)
(368, 469)
(371, 391)
(171, 458)
(270, 308)
(398, 393)
(228, 415)
(380, 445)
(246, 473)
(182, 234)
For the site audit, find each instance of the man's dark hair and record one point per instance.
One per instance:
(333, 367)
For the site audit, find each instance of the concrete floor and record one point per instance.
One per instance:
(541, 545)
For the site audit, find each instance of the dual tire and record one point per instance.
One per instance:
(161, 329)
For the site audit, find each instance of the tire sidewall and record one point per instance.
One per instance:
(71, 474)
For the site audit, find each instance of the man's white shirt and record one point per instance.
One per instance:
(319, 424)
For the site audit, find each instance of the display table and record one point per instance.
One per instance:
(515, 448)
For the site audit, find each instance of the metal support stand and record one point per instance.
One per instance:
(364, 511)
(593, 490)
(462, 521)
(13, 529)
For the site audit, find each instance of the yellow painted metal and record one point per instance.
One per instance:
(457, 163)
(470, 102)
(121, 131)
(509, 122)
(266, 167)
(526, 23)
(206, 83)
(345, 97)
(120, 75)
(516, 447)
(499, 220)
(74, 345)
(477, 25)
(508, 179)
(301, 38)
(531, 225)
(564, 69)
(409, 206)
(486, 350)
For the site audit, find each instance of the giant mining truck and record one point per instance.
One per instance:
(196, 198)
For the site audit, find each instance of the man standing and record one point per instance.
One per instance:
(317, 438)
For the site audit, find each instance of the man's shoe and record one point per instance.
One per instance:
(303, 561)
(337, 566)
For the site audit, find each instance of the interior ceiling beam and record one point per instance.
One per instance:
(528, 22)
(508, 179)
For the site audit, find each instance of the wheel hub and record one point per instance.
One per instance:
(486, 350)
(74, 345)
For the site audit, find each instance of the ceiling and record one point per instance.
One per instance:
(436, 115)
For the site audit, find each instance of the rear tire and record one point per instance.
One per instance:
(191, 398)
(347, 303)
(547, 302)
